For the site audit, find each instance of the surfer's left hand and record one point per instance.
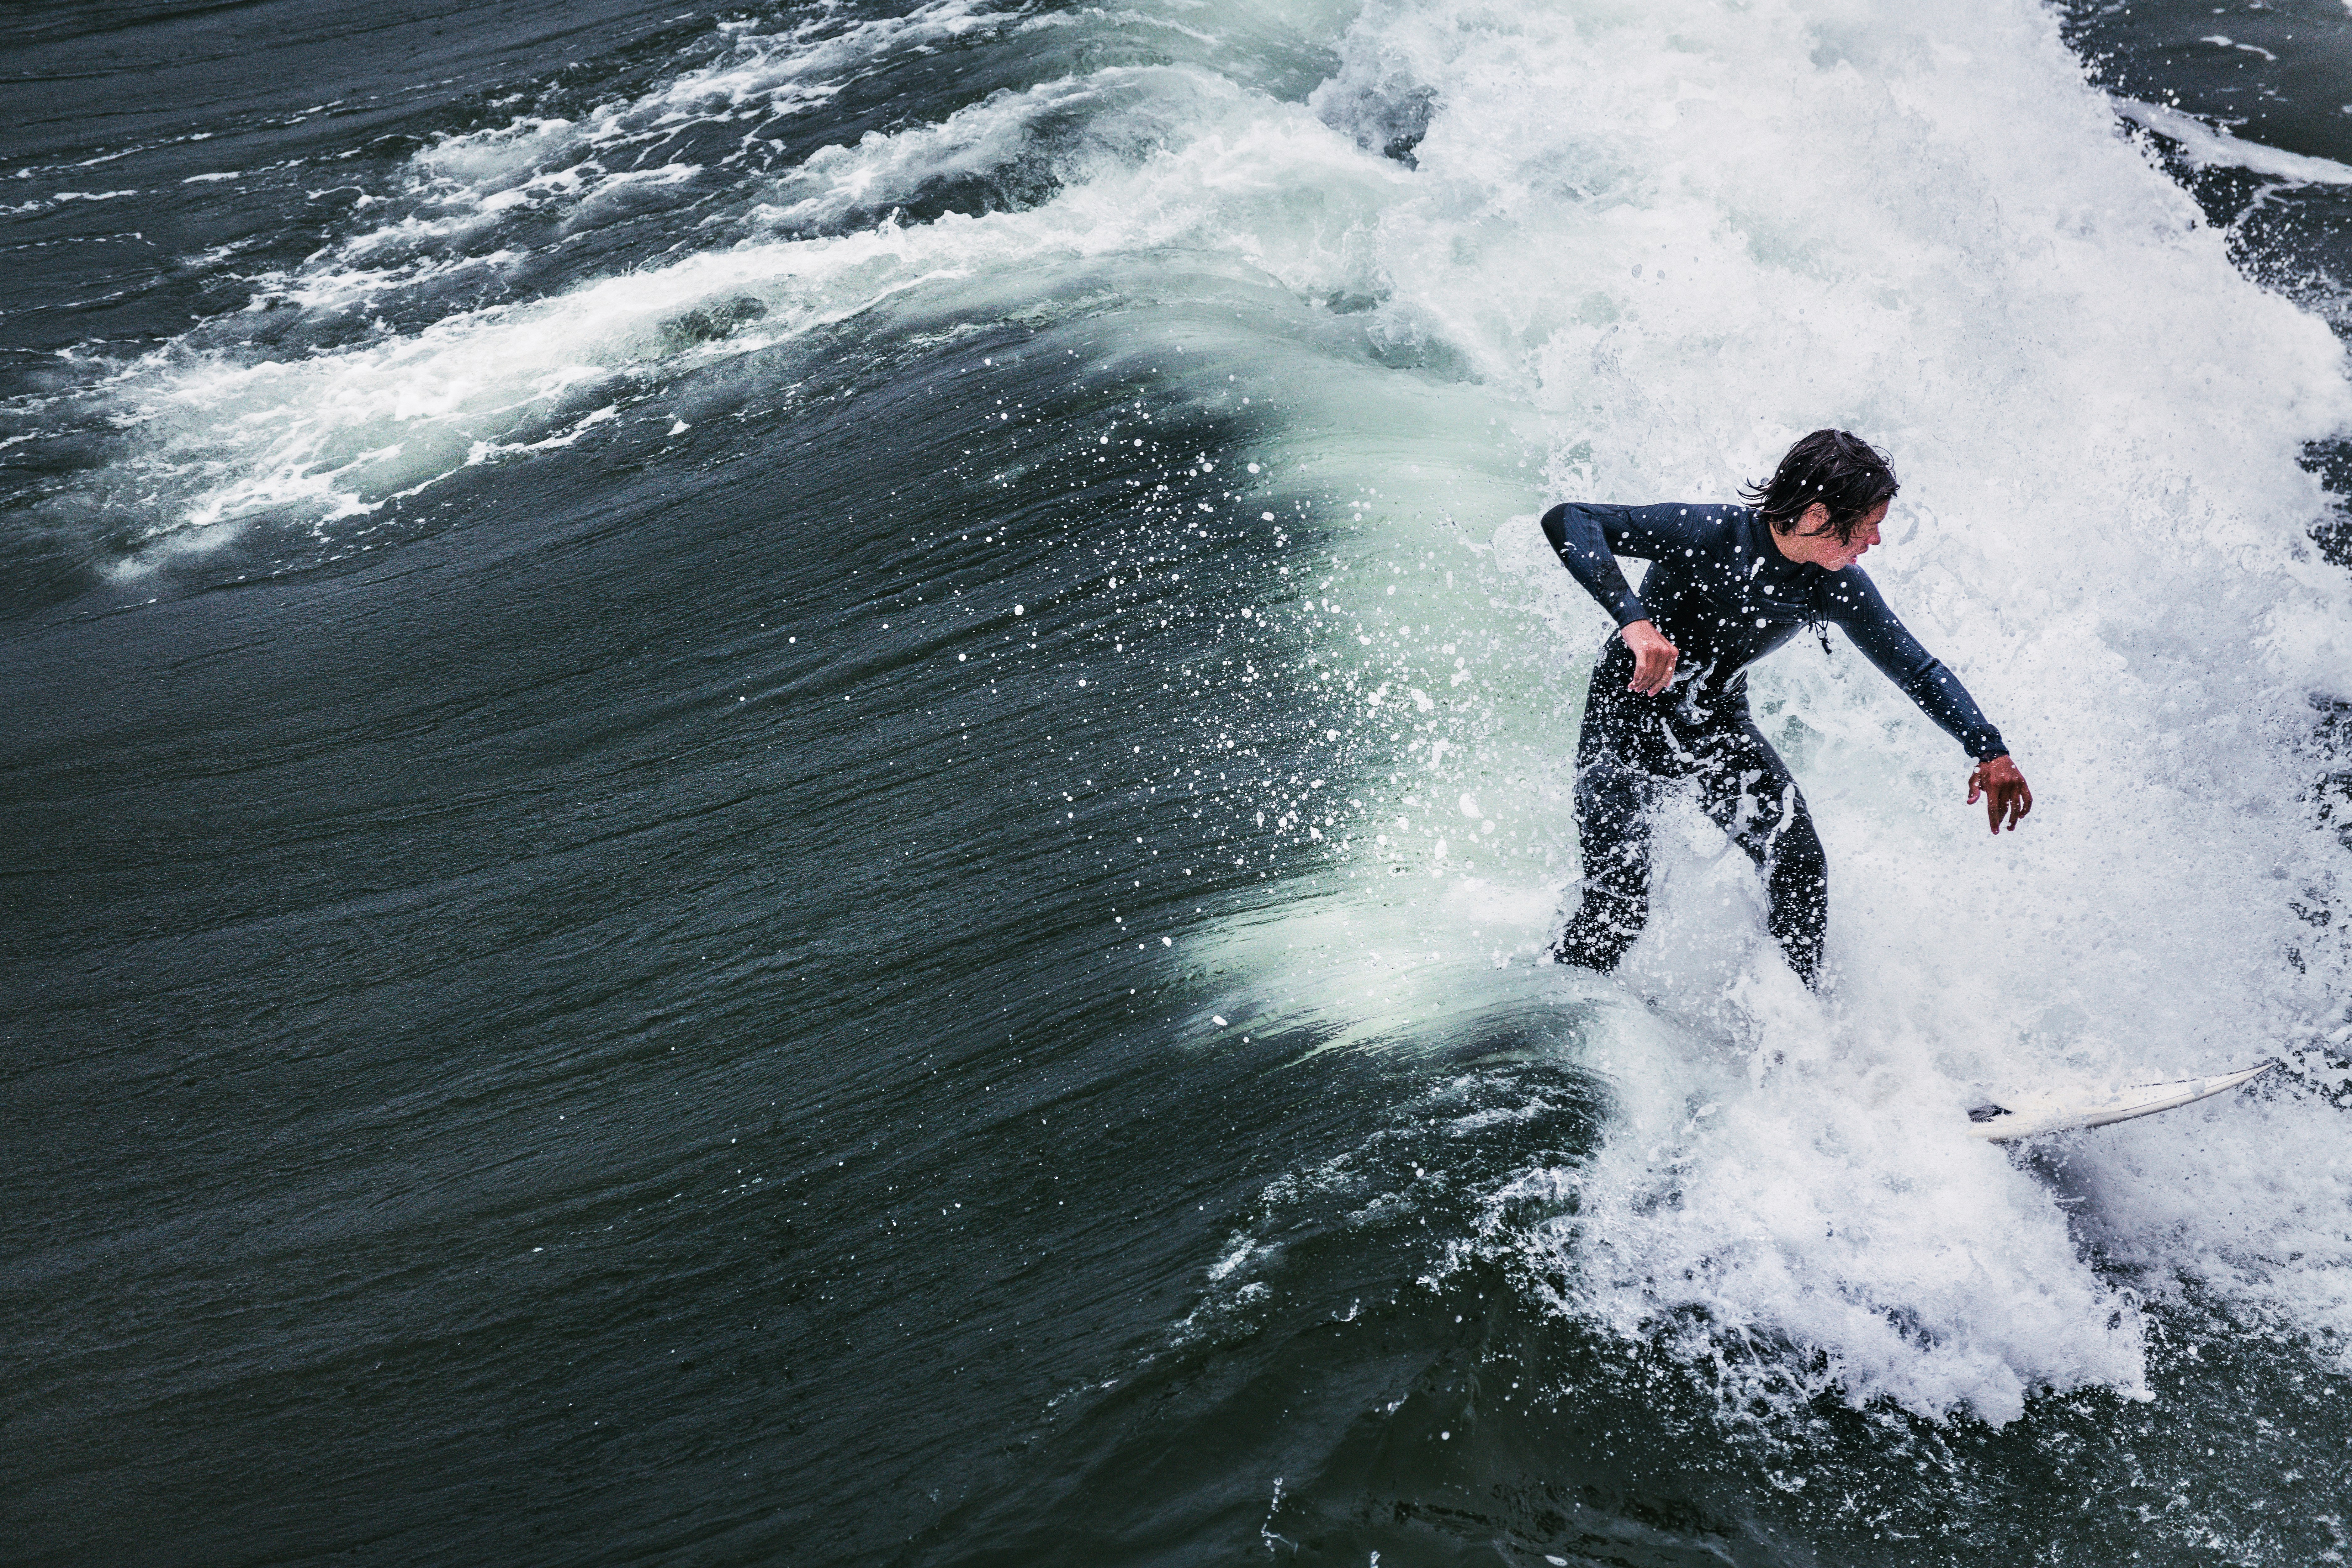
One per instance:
(2002, 789)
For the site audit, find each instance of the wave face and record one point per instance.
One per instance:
(791, 783)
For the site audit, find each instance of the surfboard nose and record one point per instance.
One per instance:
(2070, 1110)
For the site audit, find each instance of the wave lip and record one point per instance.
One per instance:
(1131, 165)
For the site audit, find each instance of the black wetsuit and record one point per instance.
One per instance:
(1722, 593)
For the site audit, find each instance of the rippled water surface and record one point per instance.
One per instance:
(782, 785)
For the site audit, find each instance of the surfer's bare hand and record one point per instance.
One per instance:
(2003, 790)
(1654, 659)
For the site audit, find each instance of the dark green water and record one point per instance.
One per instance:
(778, 786)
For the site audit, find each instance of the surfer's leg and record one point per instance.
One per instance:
(1752, 796)
(1613, 799)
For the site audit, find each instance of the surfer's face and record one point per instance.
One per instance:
(1813, 541)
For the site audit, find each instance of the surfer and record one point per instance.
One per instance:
(1669, 697)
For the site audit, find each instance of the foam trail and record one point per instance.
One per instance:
(486, 195)
(2210, 148)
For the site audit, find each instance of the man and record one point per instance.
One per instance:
(1669, 699)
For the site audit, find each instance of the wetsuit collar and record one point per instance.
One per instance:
(1766, 547)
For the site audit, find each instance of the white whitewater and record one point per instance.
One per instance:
(1678, 242)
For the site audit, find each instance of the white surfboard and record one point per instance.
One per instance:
(2064, 1111)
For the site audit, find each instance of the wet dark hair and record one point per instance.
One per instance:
(1836, 468)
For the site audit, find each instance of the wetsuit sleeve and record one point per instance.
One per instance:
(1854, 602)
(1590, 538)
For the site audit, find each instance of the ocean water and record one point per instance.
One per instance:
(782, 785)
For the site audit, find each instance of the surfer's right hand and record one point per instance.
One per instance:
(1653, 658)
(2002, 788)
